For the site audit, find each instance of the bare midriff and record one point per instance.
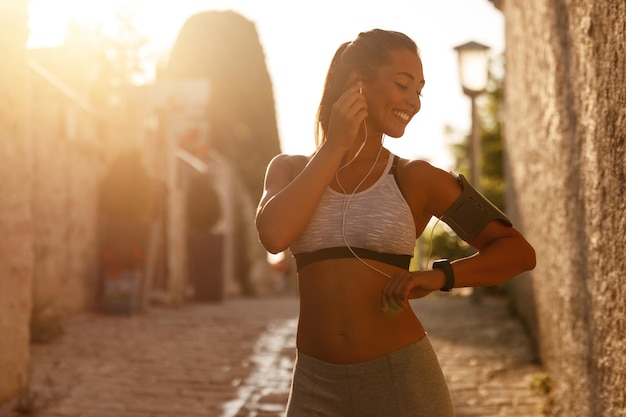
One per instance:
(341, 317)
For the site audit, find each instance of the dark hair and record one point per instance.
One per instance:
(368, 52)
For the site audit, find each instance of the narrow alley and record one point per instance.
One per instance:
(234, 359)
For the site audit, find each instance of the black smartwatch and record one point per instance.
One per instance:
(445, 266)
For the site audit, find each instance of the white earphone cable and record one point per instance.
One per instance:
(347, 198)
(432, 232)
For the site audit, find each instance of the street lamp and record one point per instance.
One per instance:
(474, 73)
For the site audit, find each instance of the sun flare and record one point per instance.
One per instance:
(49, 19)
(298, 49)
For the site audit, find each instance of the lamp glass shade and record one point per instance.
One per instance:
(473, 68)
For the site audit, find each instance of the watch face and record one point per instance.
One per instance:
(445, 266)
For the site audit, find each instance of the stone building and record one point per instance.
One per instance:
(565, 134)
(56, 149)
(16, 229)
(49, 180)
(52, 162)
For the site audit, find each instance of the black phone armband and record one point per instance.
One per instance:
(471, 212)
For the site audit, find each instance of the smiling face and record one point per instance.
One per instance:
(393, 97)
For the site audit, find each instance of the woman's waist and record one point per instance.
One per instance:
(341, 316)
(344, 294)
(353, 333)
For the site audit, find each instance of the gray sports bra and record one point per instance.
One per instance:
(379, 225)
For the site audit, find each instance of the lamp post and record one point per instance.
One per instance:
(474, 72)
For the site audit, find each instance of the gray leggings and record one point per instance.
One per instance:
(406, 383)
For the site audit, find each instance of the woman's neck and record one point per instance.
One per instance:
(365, 151)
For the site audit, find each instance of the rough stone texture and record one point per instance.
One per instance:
(16, 253)
(66, 172)
(565, 135)
(48, 178)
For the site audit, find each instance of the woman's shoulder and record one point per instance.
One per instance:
(419, 170)
(436, 188)
(291, 159)
(289, 162)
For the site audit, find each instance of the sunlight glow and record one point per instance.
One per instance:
(49, 19)
(299, 39)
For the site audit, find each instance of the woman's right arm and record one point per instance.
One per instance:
(288, 203)
(289, 200)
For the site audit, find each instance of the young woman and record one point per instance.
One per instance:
(351, 214)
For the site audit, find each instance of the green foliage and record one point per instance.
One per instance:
(440, 242)
(203, 203)
(446, 244)
(492, 178)
(492, 182)
(541, 382)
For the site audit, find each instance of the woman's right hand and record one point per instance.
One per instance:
(407, 285)
(346, 116)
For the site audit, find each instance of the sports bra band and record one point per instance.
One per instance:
(305, 258)
(394, 169)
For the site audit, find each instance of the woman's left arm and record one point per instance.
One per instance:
(503, 252)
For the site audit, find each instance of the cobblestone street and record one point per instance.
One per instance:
(234, 360)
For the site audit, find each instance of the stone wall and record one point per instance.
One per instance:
(49, 219)
(48, 211)
(565, 136)
(67, 169)
(16, 234)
